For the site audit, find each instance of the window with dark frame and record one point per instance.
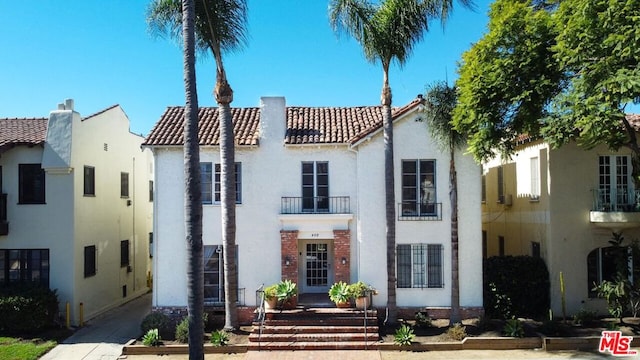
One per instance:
(124, 184)
(418, 188)
(150, 244)
(90, 261)
(315, 186)
(501, 245)
(89, 181)
(500, 184)
(31, 178)
(238, 177)
(214, 273)
(124, 253)
(206, 177)
(601, 265)
(420, 265)
(24, 265)
(150, 190)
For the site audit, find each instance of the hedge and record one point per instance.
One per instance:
(27, 308)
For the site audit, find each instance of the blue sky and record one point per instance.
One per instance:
(100, 53)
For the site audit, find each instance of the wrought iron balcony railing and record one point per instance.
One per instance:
(315, 205)
(620, 199)
(420, 212)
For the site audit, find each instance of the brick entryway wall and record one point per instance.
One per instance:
(289, 250)
(342, 249)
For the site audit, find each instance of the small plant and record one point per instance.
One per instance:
(404, 336)
(613, 326)
(271, 292)
(285, 291)
(160, 321)
(513, 328)
(182, 331)
(360, 289)
(457, 332)
(423, 320)
(151, 338)
(584, 317)
(219, 338)
(340, 293)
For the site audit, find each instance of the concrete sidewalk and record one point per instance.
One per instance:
(103, 338)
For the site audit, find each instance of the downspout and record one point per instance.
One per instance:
(351, 148)
(133, 238)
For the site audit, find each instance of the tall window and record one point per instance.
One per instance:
(500, 184)
(315, 186)
(24, 265)
(601, 265)
(484, 188)
(614, 191)
(124, 184)
(535, 178)
(238, 173)
(420, 266)
(90, 261)
(150, 190)
(89, 181)
(418, 187)
(124, 253)
(213, 273)
(205, 182)
(31, 180)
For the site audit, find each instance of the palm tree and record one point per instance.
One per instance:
(220, 25)
(387, 32)
(440, 101)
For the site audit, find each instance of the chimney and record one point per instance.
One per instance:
(273, 120)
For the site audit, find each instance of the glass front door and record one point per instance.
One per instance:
(316, 268)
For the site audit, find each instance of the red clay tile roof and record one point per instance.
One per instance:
(168, 130)
(634, 120)
(25, 131)
(305, 125)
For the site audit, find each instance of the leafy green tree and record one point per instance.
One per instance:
(388, 31)
(220, 25)
(564, 72)
(440, 100)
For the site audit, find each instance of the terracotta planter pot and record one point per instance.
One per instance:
(360, 302)
(343, 304)
(290, 303)
(270, 303)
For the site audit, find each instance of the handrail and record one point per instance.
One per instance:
(261, 313)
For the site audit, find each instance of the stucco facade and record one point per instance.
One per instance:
(80, 215)
(276, 242)
(562, 222)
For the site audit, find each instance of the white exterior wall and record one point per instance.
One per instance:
(272, 170)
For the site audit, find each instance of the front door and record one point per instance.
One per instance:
(316, 265)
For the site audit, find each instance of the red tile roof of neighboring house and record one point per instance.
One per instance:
(305, 125)
(24, 131)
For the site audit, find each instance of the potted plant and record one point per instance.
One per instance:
(286, 293)
(270, 297)
(362, 292)
(340, 294)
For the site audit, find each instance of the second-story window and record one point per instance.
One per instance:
(315, 186)
(500, 184)
(535, 178)
(124, 184)
(418, 187)
(614, 183)
(31, 180)
(89, 181)
(238, 172)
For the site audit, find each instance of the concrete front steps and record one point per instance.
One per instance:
(316, 329)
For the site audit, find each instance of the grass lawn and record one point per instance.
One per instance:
(19, 349)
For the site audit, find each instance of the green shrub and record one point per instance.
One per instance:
(510, 281)
(151, 338)
(219, 338)
(584, 317)
(27, 308)
(457, 332)
(182, 331)
(160, 321)
(404, 336)
(513, 327)
(423, 320)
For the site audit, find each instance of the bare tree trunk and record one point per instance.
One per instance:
(390, 206)
(454, 316)
(193, 192)
(224, 97)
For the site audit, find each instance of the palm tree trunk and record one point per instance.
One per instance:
(224, 97)
(193, 194)
(390, 206)
(454, 316)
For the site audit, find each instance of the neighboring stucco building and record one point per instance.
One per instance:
(310, 205)
(75, 209)
(562, 205)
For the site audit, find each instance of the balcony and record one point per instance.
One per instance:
(615, 208)
(4, 224)
(315, 205)
(413, 211)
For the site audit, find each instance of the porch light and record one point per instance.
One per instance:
(287, 261)
(344, 261)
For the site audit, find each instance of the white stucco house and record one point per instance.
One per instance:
(562, 205)
(310, 205)
(76, 208)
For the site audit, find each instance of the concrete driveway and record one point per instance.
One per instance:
(103, 338)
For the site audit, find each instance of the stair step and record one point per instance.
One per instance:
(336, 337)
(342, 345)
(297, 329)
(328, 323)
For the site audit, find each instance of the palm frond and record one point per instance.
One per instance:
(440, 100)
